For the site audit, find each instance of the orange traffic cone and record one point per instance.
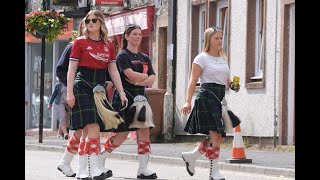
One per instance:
(238, 154)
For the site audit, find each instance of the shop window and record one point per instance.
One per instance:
(35, 71)
(255, 44)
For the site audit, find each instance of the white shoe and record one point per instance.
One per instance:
(143, 171)
(190, 162)
(82, 164)
(64, 164)
(102, 159)
(59, 136)
(190, 158)
(93, 167)
(214, 172)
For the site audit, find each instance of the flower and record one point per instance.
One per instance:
(50, 21)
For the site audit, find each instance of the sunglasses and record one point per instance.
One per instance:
(94, 20)
(216, 28)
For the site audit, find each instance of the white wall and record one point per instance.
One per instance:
(255, 107)
(182, 76)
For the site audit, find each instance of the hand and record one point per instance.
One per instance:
(124, 100)
(49, 106)
(70, 99)
(232, 87)
(186, 109)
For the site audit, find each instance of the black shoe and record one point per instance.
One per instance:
(109, 173)
(152, 176)
(102, 176)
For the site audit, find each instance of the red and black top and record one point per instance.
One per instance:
(92, 54)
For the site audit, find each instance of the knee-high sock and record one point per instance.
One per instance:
(109, 146)
(73, 144)
(144, 147)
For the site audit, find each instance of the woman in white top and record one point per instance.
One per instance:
(212, 68)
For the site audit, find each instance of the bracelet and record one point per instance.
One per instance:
(122, 93)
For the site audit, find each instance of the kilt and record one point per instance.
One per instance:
(84, 111)
(207, 111)
(131, 92)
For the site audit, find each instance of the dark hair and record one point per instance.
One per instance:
(129, 28)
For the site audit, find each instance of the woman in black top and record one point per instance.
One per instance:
(136, 74)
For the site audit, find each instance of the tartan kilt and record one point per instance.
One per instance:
(207, 111)
(131, 92)
(84, 111)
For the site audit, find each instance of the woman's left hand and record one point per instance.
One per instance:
(124, 100)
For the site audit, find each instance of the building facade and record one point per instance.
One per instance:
(259, 42)
(117, 15)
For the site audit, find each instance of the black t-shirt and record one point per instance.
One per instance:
(137, 62)
(62, 67)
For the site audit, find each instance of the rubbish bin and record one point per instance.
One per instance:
(155, 99)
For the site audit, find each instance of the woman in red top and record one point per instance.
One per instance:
(90, 57)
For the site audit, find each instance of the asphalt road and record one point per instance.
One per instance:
(41, 165)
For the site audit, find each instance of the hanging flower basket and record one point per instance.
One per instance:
(49, 23)
(43, 31)
(36, 35)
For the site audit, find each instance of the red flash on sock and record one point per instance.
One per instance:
(92, 145)
(109, 146)
(81, 146)
(73, 144)
(213, 152)
(144, 147)
(203, 146)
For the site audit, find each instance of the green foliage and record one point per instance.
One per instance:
(49, 20)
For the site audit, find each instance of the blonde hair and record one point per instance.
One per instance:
(208, 33)
(103, 27)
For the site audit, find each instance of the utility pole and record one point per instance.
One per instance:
(45, 6)
(168, 96)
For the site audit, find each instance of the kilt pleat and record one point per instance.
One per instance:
(207, 111)
(84, 111)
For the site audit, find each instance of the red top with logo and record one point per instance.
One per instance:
(92, 54)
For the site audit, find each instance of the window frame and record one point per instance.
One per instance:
(259, 41)
(256, 20)
(202, 19)
(221, 5)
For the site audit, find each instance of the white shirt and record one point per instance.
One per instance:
(214, 69)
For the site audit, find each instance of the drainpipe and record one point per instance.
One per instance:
(275, 81)
(168, 109)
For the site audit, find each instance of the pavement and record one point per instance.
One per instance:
(268, 162)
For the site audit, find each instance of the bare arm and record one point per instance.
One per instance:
(70, 81)
(228, 83)
(115, 77)
(135, 76)
(147, 82)
(195, 74)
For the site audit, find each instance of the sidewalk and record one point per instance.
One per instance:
(263, 161)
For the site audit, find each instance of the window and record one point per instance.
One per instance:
(202, 22)
(222, 21)
(259, 39)
(255, 53)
